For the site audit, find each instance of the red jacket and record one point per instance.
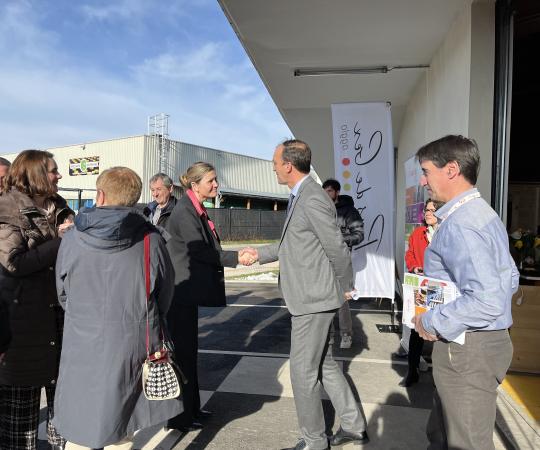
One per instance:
(414, 257)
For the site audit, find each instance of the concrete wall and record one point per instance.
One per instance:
(482, 82)
(455, 96)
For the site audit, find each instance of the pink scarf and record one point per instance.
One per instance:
(201, 211)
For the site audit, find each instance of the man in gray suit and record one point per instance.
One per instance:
(315, 277)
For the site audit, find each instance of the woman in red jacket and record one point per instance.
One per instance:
(414, 259)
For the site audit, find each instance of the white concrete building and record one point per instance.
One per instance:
(245, 182)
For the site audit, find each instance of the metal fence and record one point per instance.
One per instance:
(243, 224)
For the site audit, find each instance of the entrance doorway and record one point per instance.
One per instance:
(523, 208)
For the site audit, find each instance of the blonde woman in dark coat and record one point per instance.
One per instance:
(33, 218)
(198, 261)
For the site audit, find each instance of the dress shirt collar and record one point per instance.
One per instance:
(443, 210)
(296, 187)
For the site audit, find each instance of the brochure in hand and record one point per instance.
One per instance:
(421, 294)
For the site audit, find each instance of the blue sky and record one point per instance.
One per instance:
(82, 71)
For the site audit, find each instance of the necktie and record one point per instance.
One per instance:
(291, 198)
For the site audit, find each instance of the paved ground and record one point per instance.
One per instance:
(244, 377)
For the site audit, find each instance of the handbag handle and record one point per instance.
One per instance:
(147, 288)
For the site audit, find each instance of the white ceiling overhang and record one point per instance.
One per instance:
(283, 35)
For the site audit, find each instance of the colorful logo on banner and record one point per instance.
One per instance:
(364, 165)
(364, 155)
(84, 166)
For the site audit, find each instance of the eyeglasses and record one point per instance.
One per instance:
(430, 210)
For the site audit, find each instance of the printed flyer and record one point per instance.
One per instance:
(421, 294)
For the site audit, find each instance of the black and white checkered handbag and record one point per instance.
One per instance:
(160, 375)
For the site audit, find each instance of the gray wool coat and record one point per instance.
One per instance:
(101, 285)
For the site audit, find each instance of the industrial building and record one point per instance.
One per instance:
(245, 182)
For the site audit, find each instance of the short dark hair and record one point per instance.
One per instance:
(456, 148)
(436, 203)
(4, 162)
(334, 184)
(298, 153)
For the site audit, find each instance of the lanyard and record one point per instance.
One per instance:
(458, 204)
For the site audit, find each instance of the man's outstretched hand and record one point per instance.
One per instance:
(248, 256)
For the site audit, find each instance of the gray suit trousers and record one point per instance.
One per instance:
(312, 368)
(466, 379)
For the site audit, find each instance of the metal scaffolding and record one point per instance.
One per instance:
(158, 126)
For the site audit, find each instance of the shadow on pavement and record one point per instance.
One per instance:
(234, 329)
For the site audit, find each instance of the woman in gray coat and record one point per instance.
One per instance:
(101, 284)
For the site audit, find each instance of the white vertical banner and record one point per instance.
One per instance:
(364, 165)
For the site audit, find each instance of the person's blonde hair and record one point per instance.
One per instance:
(195, 173)
(121, 185)
(29, 174)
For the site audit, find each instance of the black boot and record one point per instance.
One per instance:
(412, 377)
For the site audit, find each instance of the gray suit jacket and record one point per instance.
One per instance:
(315, 264)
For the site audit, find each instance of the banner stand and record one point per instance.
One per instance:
(364, 165)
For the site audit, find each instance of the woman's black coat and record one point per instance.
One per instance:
(28, 248)
(197, 258)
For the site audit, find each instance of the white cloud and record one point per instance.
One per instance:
(44, 109)
(233, 91)
(202, 64)
(213, 97)
(130, 10)
(119, 9)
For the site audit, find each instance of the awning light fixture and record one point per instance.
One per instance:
(311, 72)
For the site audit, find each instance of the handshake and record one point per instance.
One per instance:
(248, 256)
